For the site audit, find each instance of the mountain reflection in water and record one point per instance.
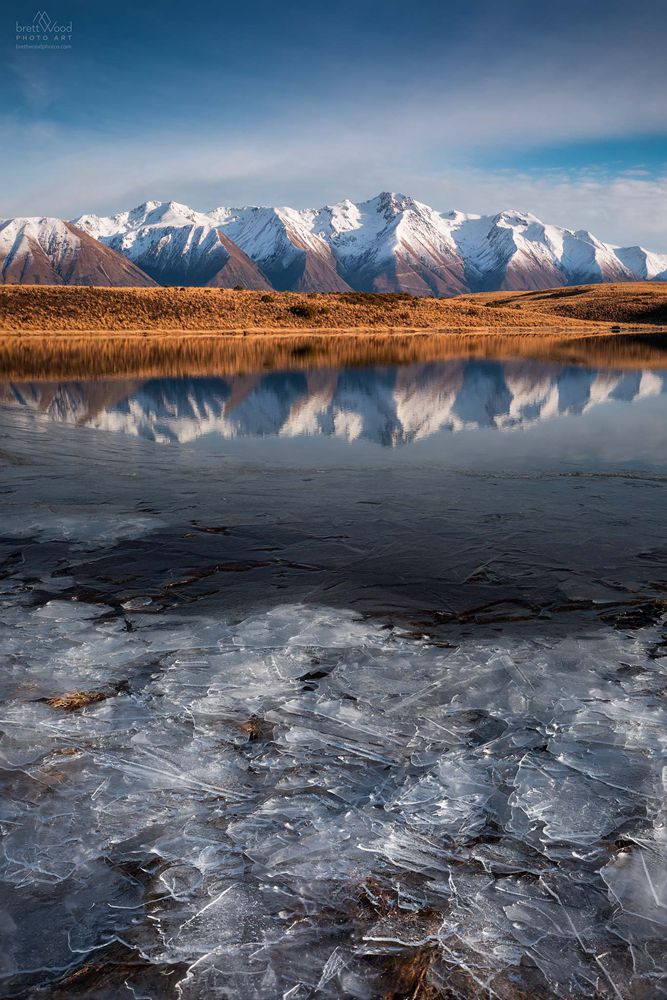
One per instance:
(387, 405)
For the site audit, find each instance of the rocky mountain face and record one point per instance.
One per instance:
(389, 406)
(390, 243)
(176, 246)
(42, 251)
(287, 248)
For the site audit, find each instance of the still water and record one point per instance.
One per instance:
(335, 682)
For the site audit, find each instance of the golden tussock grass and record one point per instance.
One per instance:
(75, 700)
(61, 309)
(72, 701)
(57, 309)
(633, 302)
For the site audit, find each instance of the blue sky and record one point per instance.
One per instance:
(478, 106)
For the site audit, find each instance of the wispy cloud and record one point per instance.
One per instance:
(625, 209)
(89, 173)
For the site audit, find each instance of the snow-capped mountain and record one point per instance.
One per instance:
(175, 246)
(52, 252)
(391, 243)
(646, 265)
(285, 245)
(390, 406)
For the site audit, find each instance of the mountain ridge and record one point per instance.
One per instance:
(390, 243)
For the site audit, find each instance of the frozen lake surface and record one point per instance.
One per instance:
(335, 683)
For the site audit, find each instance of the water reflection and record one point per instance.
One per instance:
(390, 406)
(362, 726)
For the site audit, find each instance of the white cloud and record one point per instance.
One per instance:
(626, 209)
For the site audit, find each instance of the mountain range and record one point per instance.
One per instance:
(387, 405)
(390, 243)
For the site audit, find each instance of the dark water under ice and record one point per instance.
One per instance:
(335, 683)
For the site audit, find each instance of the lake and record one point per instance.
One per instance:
(336, 681)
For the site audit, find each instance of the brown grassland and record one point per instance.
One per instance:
(640, 302)
(60, 309)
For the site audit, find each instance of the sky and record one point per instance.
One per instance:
(559, 110)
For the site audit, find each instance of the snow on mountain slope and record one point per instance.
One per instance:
(175, 245)
(47, 251)
(514, 251)
(642, 263)
(510, 250)
(284, 244)
(390, 243)
(393, 243)
(150, 214)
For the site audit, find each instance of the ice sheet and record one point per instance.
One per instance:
(304, 803)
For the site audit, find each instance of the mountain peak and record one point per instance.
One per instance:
(393, 202)
(515, 217)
